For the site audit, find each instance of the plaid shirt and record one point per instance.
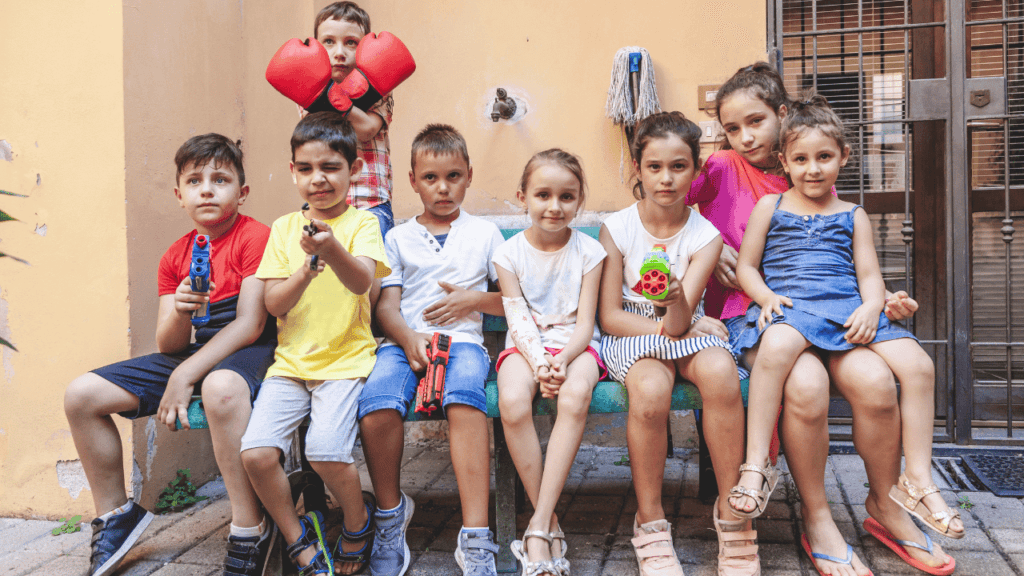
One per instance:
(374, 184)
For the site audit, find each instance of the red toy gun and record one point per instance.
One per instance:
(431, 387)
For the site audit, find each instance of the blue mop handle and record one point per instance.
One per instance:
(634, 61)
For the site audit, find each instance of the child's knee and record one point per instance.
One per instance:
(650, 398)
(515, 405)
(780, 342)
(82, 395)
(716, 366)
(806, 397)
(574, 399)
(258, 461)
(224, 393)
(379, 422)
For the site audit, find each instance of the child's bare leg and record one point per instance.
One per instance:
(713, 371)
(471, 459)
(226, 399)
(516, 390)
(89, 402)
(916, 373)
(383, 435)
(863, 378)
(805, 425)
(573, 403)
(780, 346)
(263, 465)
(649, 385)
(342, 479)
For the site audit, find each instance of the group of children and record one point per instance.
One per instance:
(574, 314)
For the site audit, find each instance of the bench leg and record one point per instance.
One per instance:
(313, 495)
(505, 493)
(707, 487)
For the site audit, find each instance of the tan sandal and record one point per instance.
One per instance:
(770, 479)
(533, 568)
(735, 557)
(655, 554)
(558, 551)
(910, 498)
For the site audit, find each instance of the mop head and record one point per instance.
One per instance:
(619, 106)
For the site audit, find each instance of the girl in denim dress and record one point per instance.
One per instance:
(822, 287)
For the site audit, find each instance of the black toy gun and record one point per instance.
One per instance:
(431, 388)
(199, 277)
(312, 230)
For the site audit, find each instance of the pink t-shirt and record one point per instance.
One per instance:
(725, 191)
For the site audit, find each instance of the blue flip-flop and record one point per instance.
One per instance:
(818, 556)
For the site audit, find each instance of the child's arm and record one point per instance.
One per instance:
(282, 294)
(459, 303)
(749, 262)
(863, 323)
(680, 313)
(355, 272)
(521, 325)
(250, 318)
(174, 317)
(582, 333)
(366, 124)
(389, 318)
(615, 320)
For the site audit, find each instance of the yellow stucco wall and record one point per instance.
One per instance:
(102, 137)
(61, 111)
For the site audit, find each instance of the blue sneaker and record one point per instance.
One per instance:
(114, 537)
(248, 555)
(391, 554)
(475, 553)
(313, 531)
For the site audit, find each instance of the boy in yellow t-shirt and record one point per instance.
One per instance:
(325, 348)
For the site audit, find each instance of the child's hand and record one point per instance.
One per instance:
(725, 271)
(416, 351)
(862, 324)
(558, 370)
(456, 304)
(318, 242)
(900, 306)
(772, 306)
(707, 326)
(177, 395)
(307, 270)
(186, 301)
(673, 294)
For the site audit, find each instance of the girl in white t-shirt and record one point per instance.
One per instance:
(646, 353)
(549, 276)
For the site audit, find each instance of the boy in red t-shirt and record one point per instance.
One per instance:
(227, 362)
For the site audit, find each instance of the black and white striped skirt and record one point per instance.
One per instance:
(620, 353)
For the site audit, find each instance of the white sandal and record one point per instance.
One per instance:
(769, 478)
(560, 562)
(533, 568)
(655, 553)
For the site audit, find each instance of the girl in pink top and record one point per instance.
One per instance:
(750, 107)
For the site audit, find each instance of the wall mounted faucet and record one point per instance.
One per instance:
(504, 106)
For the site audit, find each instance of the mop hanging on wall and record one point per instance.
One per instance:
(632, 94)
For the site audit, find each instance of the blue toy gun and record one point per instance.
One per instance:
(199, 277)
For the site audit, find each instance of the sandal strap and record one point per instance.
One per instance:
(848, 561)
(927, 547)
(545, 536)
(364, 532)
(735, 551)
(740, 535)
(641, 544)
(944, 517)
(754, 493)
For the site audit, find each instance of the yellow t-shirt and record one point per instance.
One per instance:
(326, 335)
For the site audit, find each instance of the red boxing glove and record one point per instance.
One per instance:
(381, 64)
(301, 70)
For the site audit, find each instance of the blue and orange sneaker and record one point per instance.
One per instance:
(114, 537)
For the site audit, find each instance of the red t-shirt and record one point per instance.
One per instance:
(234, 256)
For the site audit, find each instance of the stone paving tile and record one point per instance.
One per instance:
(188, 570)
(1011, 541)
(996, 512)
(209, 552)
(434, 563)
(1018, 561)
(620, 568)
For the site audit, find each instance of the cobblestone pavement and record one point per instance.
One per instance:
(596, 512)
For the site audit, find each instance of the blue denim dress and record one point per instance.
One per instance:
(810, 260)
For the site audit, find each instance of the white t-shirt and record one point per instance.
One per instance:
(634, 242)
(551, 283)
(418, 263)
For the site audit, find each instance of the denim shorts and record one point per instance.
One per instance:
(392, 384)
(385, 216)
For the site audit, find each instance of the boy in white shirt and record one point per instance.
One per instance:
(440, 262)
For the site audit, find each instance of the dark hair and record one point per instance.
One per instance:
(812, 111)
(439, 139)
(761, 81)
(660, 125)
(560, 158)
(328, 127)
(345, 11)
(201, 150)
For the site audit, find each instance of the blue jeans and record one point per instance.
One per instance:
(392, 384)
(385, 216)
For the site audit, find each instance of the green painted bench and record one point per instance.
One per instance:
(609, 397)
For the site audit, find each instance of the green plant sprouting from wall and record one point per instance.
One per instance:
(5, 217)
(179, 494)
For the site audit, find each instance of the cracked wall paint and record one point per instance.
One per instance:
(40, 229)
(71, 477)
(5, 332)
(150, 445)
(6, 152)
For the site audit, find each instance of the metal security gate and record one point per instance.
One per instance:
(932, 94)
